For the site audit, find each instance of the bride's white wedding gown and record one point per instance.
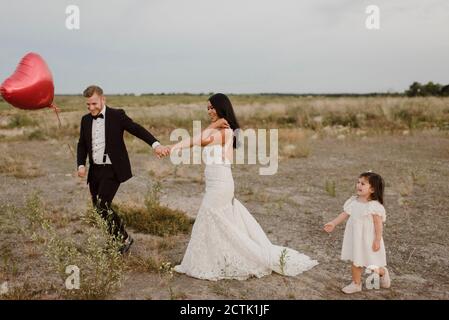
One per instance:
(226, 241)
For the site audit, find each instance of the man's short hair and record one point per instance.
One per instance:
(91, 90)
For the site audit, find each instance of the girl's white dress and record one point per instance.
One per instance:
(360, 234)
(226, 241)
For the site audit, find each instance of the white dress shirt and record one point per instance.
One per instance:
(99, 140)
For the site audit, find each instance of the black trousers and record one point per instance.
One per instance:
(103, 186)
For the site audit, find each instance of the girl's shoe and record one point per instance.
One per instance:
(385, 281)
(352, 288)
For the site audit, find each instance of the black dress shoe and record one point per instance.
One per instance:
(128, 242)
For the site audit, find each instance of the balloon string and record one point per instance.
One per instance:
(71, 150)
(57, 110)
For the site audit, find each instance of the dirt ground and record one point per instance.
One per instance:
(291, 206)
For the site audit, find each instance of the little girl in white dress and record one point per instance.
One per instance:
(363, 243)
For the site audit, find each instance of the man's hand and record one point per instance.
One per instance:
(82, 171)
(162, 151)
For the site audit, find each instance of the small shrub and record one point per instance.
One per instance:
(155, 218)
(330, 188)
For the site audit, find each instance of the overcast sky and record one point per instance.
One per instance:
(239, 46)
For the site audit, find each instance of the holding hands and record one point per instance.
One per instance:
(162, 151)
(204, 138)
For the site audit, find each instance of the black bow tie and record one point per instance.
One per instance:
(100, 115)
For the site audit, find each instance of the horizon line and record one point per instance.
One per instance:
(242, 94)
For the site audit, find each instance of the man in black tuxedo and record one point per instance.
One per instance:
(101, 138)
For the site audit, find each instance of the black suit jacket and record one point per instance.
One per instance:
(116, 123)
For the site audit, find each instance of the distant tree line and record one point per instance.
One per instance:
(417, 89)
(177, 94)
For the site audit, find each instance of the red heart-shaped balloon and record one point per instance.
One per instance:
(31, 85)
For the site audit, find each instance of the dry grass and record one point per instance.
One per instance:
(294, 143)
(18, 167)
(154, 218)
(101, 265)
(330, 188)
(24, 292)
(18, 120)
(151, 263)
(163, 113)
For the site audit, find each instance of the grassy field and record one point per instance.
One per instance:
(46, 222)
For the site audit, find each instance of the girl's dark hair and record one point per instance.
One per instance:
(224, 109)
(377, 183)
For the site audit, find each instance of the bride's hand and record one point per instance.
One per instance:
(220, 124)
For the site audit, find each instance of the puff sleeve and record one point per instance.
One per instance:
(375, 207)
(347, 205)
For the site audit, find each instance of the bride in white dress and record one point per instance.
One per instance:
(226, 241)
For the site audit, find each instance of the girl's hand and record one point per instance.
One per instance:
(329, 227)
(376, 245)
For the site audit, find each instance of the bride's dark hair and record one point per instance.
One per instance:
(224, 109)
